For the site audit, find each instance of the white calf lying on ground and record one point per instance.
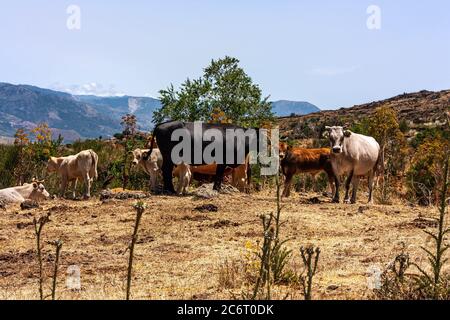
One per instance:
(29, 191)
(71, 168)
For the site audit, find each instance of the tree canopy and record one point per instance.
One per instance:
(223, 88)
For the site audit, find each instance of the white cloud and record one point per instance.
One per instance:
(333, 71)
(91, 88)
(149, 95)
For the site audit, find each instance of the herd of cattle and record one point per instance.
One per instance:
(350, 154)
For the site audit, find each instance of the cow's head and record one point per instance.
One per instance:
(283, 149)
(337, 135)
(38, 192)
(137, 156)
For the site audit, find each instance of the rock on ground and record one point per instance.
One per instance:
(206, 191)
(29, 204)
(123, 195)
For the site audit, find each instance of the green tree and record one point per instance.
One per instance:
(385, 128)
(426, 172)
(224, 86)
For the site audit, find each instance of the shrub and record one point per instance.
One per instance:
(426, 173)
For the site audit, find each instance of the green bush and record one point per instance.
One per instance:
(426, 173)
(8, 159)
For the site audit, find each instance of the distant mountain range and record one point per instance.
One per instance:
(78, 117)
(285, 108)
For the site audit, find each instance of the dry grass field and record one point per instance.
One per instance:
(180, 250)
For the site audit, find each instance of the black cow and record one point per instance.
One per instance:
(163, 135)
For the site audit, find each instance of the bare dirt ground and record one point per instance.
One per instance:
(180, 250)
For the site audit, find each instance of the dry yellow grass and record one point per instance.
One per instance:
(179, 250)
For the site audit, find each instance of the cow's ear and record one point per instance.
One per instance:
(35, 185)
(326, 134)
(347, 133)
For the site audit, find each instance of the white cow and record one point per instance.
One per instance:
(32, 191)
(354, 155)
(71, 168)
(151, 166)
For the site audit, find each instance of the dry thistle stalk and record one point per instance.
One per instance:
(264, 256)
(38, 225)
(58, 245)
(310, 258)
(140, 208)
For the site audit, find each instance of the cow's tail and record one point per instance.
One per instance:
(377, 168)
(249, 174)
(94, 173)
(146, 156)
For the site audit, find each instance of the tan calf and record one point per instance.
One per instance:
(71, 168)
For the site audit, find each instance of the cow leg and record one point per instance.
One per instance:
(153, 181)
(355, 184)
(187, 183)
(371, 181)
(287, 185)
(347, 187)
(337, 184)
(74, 188)
(220, 170)
(180, 185)
(331, 184)
(87, 181)
(63, 186)
(167, 169)
(249, 179)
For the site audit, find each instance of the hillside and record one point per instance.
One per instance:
(418, 110)
(116, 107)
(23, 106)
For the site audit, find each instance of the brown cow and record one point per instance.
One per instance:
(302, 160)
(239, 175)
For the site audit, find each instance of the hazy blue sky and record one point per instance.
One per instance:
(318, 51)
